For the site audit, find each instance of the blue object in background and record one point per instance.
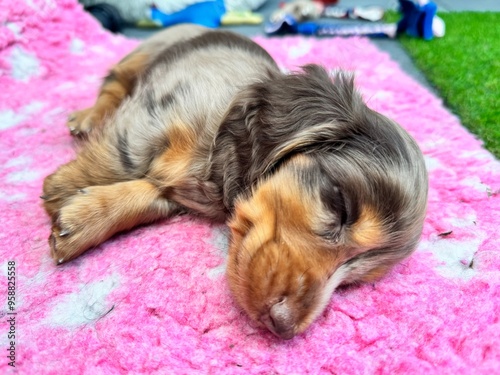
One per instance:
(289, 25)
(417, 19)
(206, 13)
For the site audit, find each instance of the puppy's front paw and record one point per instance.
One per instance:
(79, 226)
(60, 249)
(81, 122)
(55, 194)
(61, 186)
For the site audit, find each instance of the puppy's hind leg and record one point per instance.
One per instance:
(98, 212)
(118, 84)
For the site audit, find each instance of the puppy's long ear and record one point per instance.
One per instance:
(328, 106)
(286, 114)
(236, 146)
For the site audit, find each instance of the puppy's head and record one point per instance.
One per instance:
(342, 199)
(279, 264)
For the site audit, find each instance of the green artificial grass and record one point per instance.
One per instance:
(464, 66)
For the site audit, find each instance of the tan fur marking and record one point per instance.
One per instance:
(367, 231)
(172, 166)
(261, 208)
(249, 213)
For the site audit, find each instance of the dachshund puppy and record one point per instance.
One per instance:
(318, 189)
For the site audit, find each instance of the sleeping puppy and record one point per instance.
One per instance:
(318, 189)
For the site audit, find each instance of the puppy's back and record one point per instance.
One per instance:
(188, 86)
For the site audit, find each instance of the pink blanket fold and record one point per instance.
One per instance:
(155, 300)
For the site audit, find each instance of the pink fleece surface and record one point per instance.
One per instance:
(155, 300)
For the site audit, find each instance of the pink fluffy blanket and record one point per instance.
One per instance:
(155, 300)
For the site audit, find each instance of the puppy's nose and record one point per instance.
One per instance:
(280, 320)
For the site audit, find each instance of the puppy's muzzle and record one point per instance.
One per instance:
(280, 320)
